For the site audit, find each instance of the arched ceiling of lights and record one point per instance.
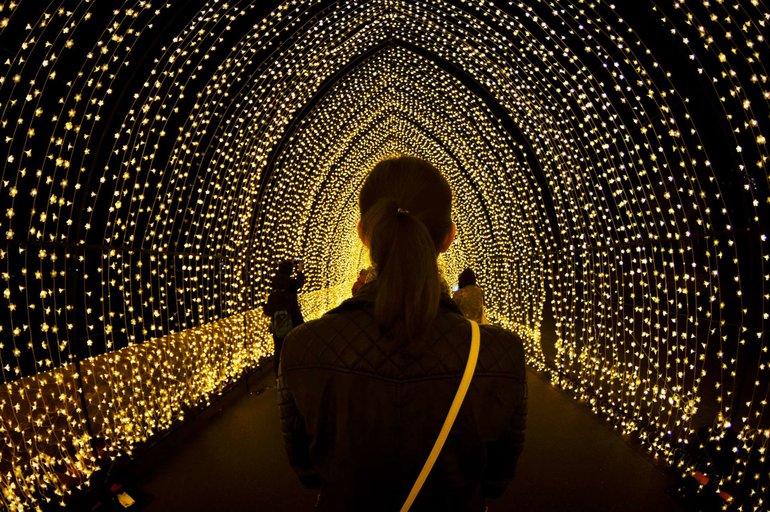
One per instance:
(609, 168)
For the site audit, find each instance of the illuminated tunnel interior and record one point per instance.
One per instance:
(608, 162)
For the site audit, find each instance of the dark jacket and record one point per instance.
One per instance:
(284, 296)
(360, 415)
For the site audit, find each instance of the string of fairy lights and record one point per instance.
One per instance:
(385, 80)
(609, 170)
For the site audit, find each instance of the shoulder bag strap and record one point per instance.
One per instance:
(465, 383)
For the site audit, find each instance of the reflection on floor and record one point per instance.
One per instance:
(231, 459)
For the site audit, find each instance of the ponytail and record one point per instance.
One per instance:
(408, 287)
(405, 208)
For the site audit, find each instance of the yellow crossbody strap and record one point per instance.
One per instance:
(465, 383)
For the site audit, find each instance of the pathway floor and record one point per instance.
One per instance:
(231, 459)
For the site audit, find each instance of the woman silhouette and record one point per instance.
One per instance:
(365, 389)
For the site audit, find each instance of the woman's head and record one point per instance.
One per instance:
(467, 277)
(406, 207)
(285, 267)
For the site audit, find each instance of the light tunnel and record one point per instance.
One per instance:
(609, 169)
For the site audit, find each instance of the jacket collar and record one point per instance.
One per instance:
(366, 296)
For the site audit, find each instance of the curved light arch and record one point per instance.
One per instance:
(390, 97)
(139, 148)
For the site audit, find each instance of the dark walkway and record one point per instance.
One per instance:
(231, 459)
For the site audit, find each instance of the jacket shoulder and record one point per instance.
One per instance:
(322, 340)
(349, 338)
(501, 350)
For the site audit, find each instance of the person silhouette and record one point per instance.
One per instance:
(469, 297)
(282, 305)
(365, 389)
